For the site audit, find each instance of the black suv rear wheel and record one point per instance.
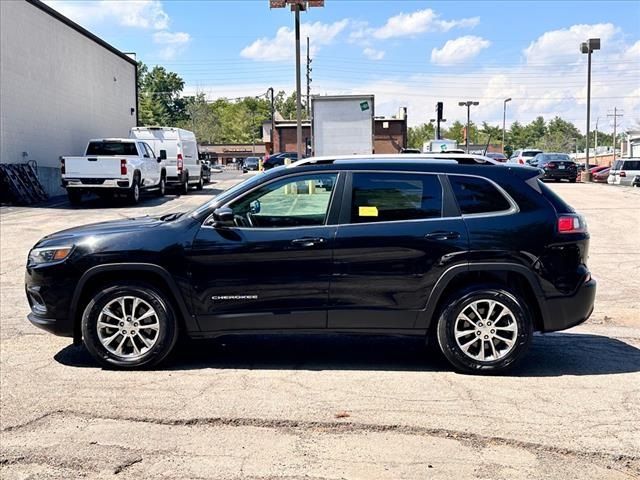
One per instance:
(484, 330)
(129, 325)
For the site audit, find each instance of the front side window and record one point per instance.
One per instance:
(386, 197)
(477, 195)
(297, 201)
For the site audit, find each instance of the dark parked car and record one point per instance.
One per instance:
(500, 157)
(556, 166)
(250, 164)
(278, 159)
(472, 257)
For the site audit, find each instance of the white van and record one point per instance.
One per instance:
(625, 171)
(182, 164)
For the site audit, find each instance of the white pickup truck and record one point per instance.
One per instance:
(113, 165)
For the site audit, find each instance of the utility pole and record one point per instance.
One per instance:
(296, 7)
(595, 148)
(439, 112)
(309, 70)
(615, 116)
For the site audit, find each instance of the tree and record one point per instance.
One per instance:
(201, 119)
(159, 97)
(455, 132)
(287, 105)
(418, 135)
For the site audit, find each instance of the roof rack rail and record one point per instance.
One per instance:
(463, 159)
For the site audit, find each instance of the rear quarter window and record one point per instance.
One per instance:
(477, 195)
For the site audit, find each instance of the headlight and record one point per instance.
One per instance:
(38, 256)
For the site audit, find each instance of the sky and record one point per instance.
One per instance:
(407, 53)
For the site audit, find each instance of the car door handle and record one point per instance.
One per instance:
(442, 236)
(307, 242)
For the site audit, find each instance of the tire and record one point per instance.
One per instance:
(467, 355)
(200, 184)
(572, 180)
(184, 187)
(162, 186)
(109, 346)
(133, 195)
(75, 197)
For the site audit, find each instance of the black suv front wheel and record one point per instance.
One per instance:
(129, 325)
(484, 330)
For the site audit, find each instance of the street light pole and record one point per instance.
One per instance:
(298, 82)
(504, 120)
(273, 121)
(468, 105)
(588, 47)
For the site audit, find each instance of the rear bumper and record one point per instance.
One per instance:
(569, 311)
(91, 183)
(560, 174)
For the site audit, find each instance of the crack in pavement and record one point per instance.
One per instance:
(123, 466)
(343, 427)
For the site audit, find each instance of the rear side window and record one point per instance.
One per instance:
(631, 165)
(112, 148)
(386, 197)
(477, 195)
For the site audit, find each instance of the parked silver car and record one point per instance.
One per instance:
(625, 171)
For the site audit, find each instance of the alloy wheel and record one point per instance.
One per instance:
(128, 327)
(486, 330)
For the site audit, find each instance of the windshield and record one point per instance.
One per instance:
(111, 148)
(251, 160)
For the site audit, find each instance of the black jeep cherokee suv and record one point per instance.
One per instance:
(473, 257)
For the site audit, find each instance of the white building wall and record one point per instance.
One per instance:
(58, 89)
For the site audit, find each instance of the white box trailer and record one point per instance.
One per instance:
(342, 125)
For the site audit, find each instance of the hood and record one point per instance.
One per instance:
(73, 235)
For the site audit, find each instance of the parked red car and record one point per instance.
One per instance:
(601, 175)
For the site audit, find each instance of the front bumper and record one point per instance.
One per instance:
(569, 311)
(62, 328)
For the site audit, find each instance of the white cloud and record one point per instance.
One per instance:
(556, 45)
(459, 50)
(147, 14)
(404, 24)
(282, 46)
(175, 43)
(373, 54)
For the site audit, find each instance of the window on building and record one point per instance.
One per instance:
(385, 197)
(477, 195)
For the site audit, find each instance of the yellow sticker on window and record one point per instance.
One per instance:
(368, 211)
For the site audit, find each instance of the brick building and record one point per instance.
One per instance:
(225, 154)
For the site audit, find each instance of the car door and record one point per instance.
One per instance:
(398, 233)
(153, 165)
(271, 268)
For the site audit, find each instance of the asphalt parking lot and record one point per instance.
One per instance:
(325, 407)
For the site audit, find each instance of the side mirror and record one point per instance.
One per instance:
(223, 217)
(163, 155)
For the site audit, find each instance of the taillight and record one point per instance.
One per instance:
(521, 161)
(571, 224)
(623, 174)
(180, 163)
(62, 169)
(123, 167)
